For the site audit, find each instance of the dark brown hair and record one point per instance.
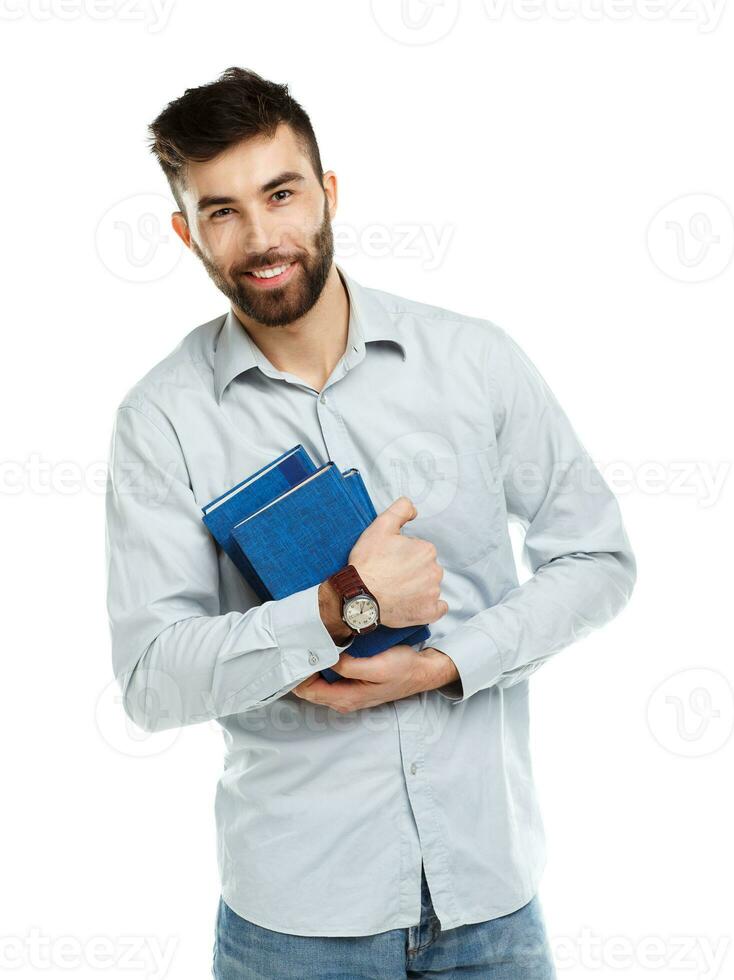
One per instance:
(208, 119)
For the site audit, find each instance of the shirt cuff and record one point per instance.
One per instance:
(305, 643)
(477, 660)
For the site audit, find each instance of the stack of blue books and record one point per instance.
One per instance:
(290, 525)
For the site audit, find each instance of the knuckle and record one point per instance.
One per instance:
(438, 610)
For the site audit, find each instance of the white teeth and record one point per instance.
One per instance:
(269, 273)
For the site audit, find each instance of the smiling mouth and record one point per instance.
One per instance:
(272, 275)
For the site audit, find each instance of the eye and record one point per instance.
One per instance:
(220, 211)
(283, 192)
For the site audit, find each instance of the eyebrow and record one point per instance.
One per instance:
(286, 177)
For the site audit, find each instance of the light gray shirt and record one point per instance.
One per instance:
(323, 819)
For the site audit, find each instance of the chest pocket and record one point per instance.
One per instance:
(460, 504)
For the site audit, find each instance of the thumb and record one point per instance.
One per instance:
(398, 513)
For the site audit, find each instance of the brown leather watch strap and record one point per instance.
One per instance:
(348, 583)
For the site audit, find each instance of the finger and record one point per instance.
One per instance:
(358, 668)
(316, 689)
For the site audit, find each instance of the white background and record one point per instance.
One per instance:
(539, 144)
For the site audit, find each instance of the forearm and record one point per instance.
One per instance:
(206, 667)
(439, 671)
(563, 602)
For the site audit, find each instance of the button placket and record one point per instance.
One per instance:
(422, 801)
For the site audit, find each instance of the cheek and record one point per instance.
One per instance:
(225, 243)
(300, 223)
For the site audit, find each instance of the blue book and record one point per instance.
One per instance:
(306, 534)
(285, 541)
(222, 513)
(359, 493)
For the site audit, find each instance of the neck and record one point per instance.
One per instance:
(311, 346)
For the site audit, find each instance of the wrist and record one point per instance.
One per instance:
(331, 614)
(438, 669)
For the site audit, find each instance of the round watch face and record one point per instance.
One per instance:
(361, 611)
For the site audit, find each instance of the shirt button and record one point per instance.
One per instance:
(323, 399)
(413, 768)
(312, 658)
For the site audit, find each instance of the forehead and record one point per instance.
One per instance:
(241, 169)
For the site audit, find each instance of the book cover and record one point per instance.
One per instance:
(222, 513)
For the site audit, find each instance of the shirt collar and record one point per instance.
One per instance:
(368, 321)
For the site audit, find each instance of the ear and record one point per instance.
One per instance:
(330, 189)
(180, 226)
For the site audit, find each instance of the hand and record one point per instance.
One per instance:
(395, 673)
(401, 570)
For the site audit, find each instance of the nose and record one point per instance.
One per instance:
(259, 234)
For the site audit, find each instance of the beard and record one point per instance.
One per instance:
(281, 305)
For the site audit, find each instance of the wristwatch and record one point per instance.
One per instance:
(360, 609)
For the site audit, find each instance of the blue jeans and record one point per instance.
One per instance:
(512, 947)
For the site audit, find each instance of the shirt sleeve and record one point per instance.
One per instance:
(584, 570)
(177, 659)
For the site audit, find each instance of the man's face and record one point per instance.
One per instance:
(259, 206)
